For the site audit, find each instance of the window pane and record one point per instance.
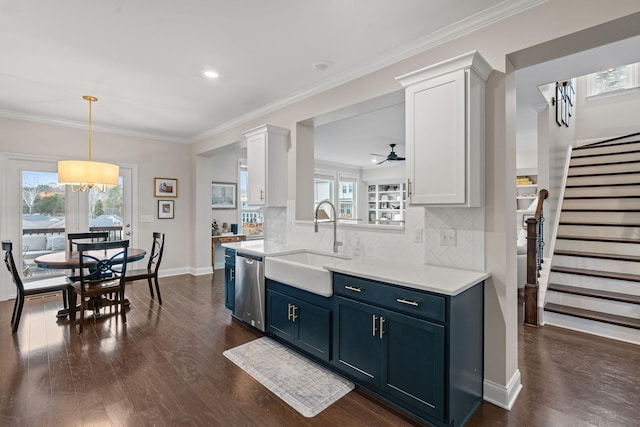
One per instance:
(106, 210)
(251, 218)
(612, 79)
(43, 219)
(347, 198)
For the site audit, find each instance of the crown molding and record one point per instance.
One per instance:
(77, 125)
(472, 23)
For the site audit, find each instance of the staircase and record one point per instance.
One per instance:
(594, 280)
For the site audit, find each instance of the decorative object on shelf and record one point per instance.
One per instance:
(223, 195)
(165, 209)
(564, 102)
(82, 175)
(165, 187)
(523, 180)
(215, 228)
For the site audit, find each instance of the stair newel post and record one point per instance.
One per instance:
(531, 287)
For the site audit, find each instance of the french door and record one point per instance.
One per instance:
(37, 212)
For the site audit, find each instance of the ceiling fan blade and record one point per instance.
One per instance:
(382, 161)
(400, 158)
(374, 154)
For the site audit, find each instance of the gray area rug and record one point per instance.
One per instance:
(304, 385)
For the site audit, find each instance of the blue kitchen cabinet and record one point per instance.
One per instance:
(418, 350)
(230, 278)
(300, 318)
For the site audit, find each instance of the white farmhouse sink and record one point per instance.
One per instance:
(303, 270)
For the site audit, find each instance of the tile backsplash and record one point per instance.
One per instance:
(401, 245)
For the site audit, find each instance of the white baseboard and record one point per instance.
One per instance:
(184, 270)
(500, 395)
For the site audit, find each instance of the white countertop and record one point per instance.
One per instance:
(431, 278)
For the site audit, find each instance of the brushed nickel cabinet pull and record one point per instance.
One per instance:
(352, 288)
(381, 327)
(293, 313)
(374, 318)
(408, 188)
(261, 195)
(288, 311)
(404, 301)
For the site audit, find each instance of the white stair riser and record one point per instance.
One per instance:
(599, 247)
(632, 190)
(605, 217)
(592, 327)
(618, 157)
(594, 304)
(606, 149)
(626, 267)
(625, 167)
(618, 286)
(607, 232)
(607, 204)
(605, 179)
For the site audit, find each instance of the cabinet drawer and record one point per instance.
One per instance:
(230, 256)
(393, 297)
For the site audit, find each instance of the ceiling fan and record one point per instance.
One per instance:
(391, 156)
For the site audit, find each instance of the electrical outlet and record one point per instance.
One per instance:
(417, 238)
(447, 237)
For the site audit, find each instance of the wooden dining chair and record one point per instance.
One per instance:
(100, 274)
(151, 272)
(32, 287)
(87, 237)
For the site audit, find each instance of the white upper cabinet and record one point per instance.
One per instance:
(445, 132)
(267, 167)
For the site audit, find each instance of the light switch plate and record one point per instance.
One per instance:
(146, 218)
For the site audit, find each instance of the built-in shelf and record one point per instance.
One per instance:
(386, 203)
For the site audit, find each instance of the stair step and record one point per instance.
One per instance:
(585, 174)
(605, 163)
(616, 146)
(615, 196)
(613, 319)
(598, 224)
(599, 239)
(598, 255)
(617, 184)
(594, 273)
(594, 293)
(578, 155)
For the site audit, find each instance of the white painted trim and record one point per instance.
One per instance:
(501, 396)
(176, 271)
(197, 271)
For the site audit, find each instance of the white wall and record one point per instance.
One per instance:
(606, 116)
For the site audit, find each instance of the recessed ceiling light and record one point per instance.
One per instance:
(210, 74)
(321, 65)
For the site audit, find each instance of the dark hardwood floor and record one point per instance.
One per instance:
(166, 368)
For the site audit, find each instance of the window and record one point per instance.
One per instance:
(329, 183)
(613, 81)
(251, 218)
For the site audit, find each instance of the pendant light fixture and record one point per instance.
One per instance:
(82, 175)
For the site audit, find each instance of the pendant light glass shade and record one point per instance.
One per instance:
(82, 175)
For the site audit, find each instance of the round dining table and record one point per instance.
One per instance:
(65, 260)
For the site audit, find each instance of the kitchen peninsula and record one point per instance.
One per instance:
(411, 334)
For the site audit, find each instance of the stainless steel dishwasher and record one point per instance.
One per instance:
(250, 299)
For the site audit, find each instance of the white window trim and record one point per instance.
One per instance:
(631, 71)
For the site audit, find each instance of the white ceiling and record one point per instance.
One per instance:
(143, 59)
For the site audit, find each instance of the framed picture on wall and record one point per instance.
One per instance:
(223, 195)
(165, 187)
(165, 209)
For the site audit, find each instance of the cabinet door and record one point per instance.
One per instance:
(256, 169)
(436, 140)
(279, 308)
(229, 286)
(313, 328)
(413, 368)
(356, 342)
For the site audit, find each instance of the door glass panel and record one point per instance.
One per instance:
(43, 219)
(106, 210)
